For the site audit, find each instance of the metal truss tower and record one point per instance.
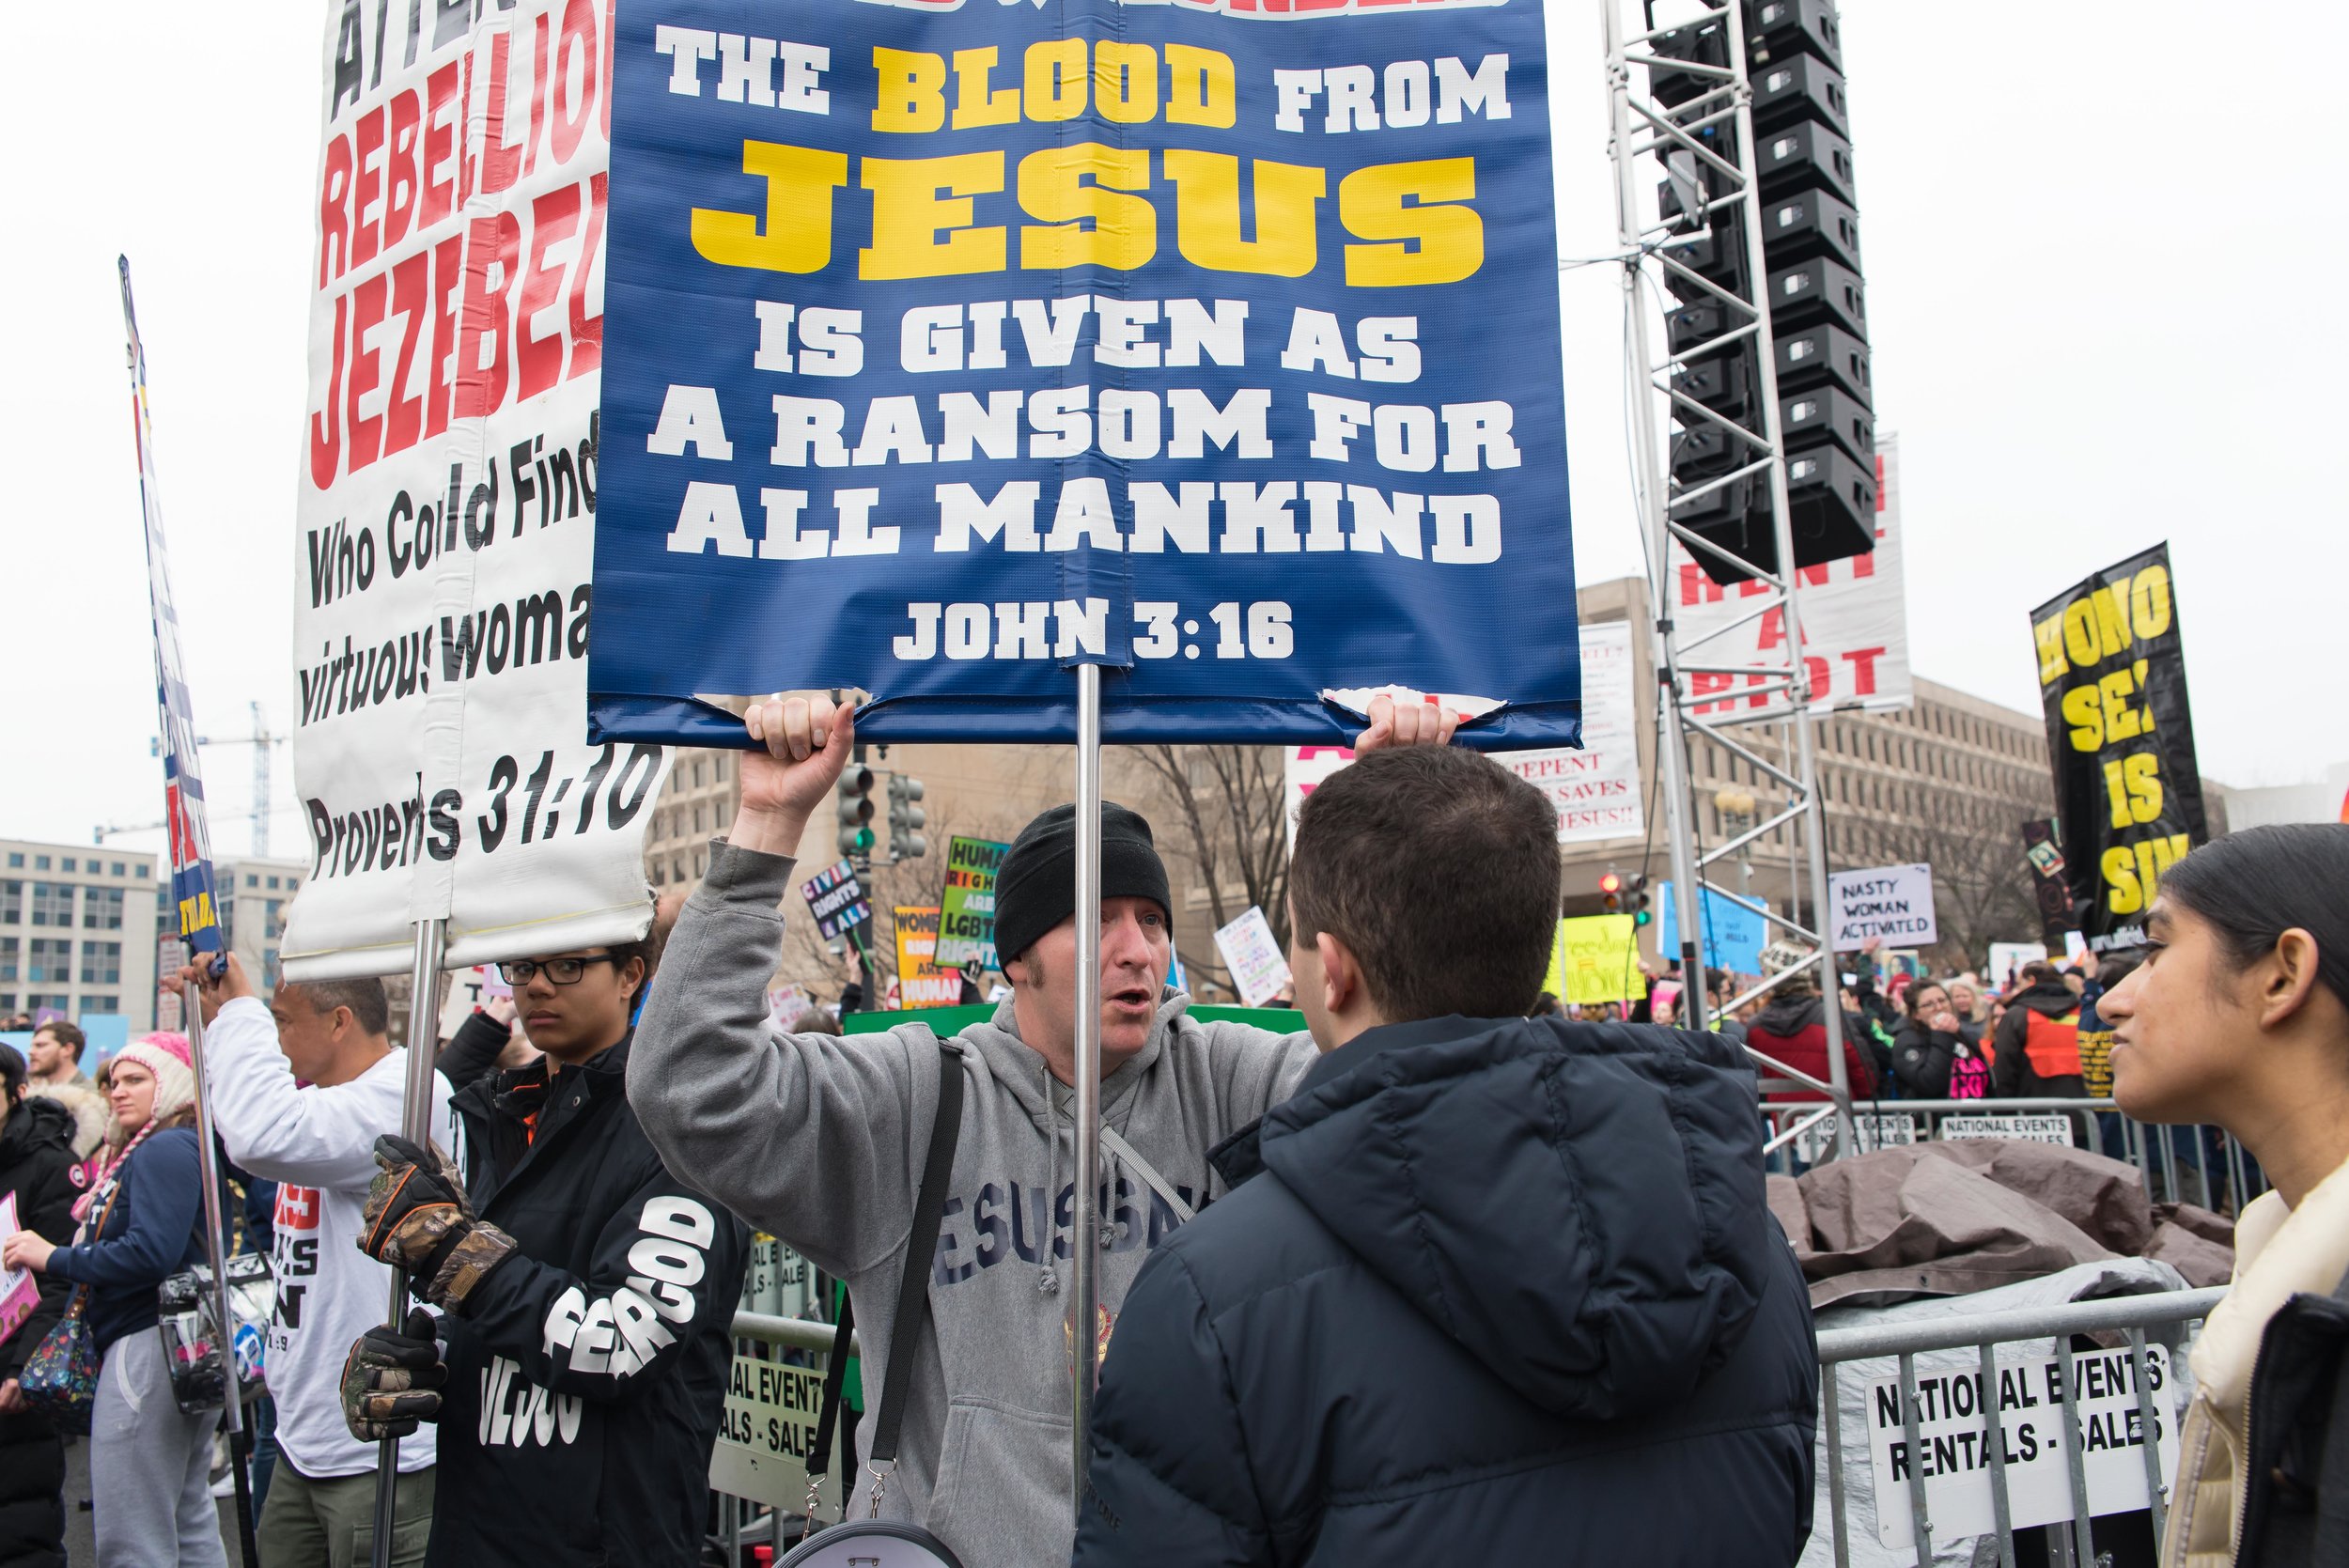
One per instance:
(1645, 134)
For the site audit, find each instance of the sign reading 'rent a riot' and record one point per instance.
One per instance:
(951, 345)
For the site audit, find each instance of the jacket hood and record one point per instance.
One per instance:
(1786, 1016)
(38, 1122)
(2054, 1000)
(1579, 1206)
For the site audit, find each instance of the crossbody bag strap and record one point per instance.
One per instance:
(75, 1308)
(836, 1379)
(1128, 1156)
(914, 1295)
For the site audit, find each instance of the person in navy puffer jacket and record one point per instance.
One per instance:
(1489, 1289)
(150, 1465)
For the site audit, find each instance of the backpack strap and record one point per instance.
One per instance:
(914, 1298)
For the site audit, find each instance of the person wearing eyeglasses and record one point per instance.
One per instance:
(588, 1297)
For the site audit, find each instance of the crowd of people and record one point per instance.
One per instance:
(1448, 1269)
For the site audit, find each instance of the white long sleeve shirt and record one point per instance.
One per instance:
(319, 1144)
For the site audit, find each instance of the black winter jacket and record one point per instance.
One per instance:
(2296, 1481)
(587, 1371)
(1922, 1056)
(37, 1168)
(1506, 1291)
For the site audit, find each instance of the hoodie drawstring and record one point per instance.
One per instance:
(1048, 1277)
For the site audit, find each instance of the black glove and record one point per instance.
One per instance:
(392, 1378)
(418, 1220)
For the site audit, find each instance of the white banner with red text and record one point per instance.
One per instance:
(445, 506)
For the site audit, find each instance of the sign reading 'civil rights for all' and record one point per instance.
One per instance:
(1215, 343)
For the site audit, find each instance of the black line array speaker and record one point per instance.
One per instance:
(1813, 288)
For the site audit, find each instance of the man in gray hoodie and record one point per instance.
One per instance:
(820, 1141)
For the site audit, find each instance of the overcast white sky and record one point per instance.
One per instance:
(2099, 260)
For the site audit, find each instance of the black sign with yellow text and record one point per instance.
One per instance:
(2120, 737)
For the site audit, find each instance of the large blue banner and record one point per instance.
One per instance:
(950, 345)
(191, 839)
(1733, 935)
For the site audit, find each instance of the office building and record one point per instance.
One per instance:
(77, 930)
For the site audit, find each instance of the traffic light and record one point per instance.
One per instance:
(856, 810)
(906, 842)
(1641, 913)
(1812, 280)
(1611, 886)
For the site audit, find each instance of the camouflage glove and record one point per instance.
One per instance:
(417, 1219)
(392, 1378)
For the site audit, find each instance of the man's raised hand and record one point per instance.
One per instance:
(1406, 723)
(804, 743)
(233, 983)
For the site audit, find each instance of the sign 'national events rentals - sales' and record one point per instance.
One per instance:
(952, 344)
(2121, 734)
(448, 484)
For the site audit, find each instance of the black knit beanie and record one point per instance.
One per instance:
(1036, 887)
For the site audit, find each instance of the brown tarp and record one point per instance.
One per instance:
(1944, 1219)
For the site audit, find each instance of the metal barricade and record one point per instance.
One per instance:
(2203, 1165)
(741, 1521)
(2129, 1315)
(788, 1333)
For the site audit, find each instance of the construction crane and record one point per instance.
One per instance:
(263, 744)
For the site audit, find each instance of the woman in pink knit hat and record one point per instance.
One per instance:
(150, 1465)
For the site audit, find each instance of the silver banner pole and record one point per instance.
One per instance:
(415, 1125)
(208, 1160)
(216, 1252)
(1084, 1243)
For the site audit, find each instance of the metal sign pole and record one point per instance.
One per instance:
(1085, 1241)
(415, 1125)
(216, 1255)
(216, 1249)
(208, 1162)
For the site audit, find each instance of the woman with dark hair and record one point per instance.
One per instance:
(1937, 1052)
(2239, 1018)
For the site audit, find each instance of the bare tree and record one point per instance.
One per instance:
(1223, 810)
(1982, 884)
